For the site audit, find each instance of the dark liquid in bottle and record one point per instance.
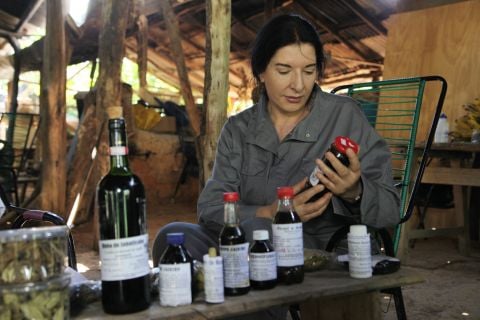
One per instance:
(178, 254)
(294, 274)
(232, 235)
(262, 247)
(342, 158)
(121, 201)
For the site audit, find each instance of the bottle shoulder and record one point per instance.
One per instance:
(175, 254)
(120, 181)
(283, 217)
(261, 246)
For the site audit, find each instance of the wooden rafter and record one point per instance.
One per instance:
(366, 53)
(365, 16)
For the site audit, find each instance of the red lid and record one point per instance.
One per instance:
(230, 196)
(343, 143)
(285, 192)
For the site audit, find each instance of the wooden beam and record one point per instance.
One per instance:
(412, 5)
(452, 176)
(111, 51)
(29, 12)
(176, 47)
(365, 16)
(142, 46)
(53, 124)
(269, 6)
(366, 54)
(216, 79)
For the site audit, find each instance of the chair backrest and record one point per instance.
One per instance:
(20, 135)
(394, 108)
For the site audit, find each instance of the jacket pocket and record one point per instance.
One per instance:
(256, 161)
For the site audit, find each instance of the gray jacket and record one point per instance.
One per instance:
(251, 160)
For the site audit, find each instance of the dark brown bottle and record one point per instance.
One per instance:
(123, 244)
(263, 262)
(339, 149)
(287, 237)
(176, 273)
(234, 249)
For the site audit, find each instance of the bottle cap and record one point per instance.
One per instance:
(358, 230)
(443, 115)
(342, 143)
(212, 252)
(175, 238)
(230, 196)
(260, 235)
(285, 192)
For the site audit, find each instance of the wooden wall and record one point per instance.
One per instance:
(444, 41)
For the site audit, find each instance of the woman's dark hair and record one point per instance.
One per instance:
(281, 31)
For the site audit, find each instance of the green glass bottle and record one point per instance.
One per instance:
(123, 232)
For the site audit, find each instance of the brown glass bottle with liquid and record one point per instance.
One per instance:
(234, 249)
(339, 149)
(287, 230)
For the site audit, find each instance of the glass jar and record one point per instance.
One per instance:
(32, 254)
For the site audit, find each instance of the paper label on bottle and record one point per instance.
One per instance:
(359, 256)
(118, 150)
(313, 176)
(213, 270)
(288, 243)
(123, 259)
(235, 265)
(263, 266)
(175, 284)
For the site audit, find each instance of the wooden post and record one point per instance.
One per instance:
(142, 47)
(216, 79)
(53, 115)
(177, 51)
(111, 51)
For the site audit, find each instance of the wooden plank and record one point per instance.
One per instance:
(216, 80)
(452, 176)
(431, 48)
(317, 285)
(53, 131)
(79, 181)
(353, 307)
(176, 47)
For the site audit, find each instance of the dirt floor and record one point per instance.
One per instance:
(452, 282)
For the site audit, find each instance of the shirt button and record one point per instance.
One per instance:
(307, 135)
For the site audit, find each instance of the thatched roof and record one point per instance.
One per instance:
(354, 33)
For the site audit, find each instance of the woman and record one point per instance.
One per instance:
(282, 138)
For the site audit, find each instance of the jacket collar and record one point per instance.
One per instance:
(261, 131)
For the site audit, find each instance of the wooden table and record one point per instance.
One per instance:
(463, 172)
(325, 286)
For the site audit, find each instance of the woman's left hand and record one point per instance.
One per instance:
(345, 182)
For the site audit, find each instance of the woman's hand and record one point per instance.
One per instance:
(306, 211)
(309, 210)
(343, 182)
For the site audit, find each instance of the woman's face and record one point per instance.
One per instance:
(289, 77)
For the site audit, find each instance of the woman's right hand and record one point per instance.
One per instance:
(309, 210)
(305, 210)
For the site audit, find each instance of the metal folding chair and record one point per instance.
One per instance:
(394, 108)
